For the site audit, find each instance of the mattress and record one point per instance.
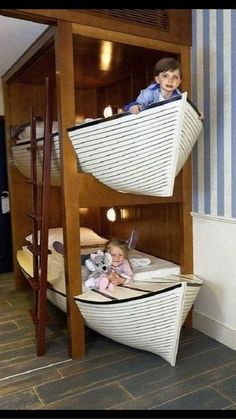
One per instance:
(153, 270)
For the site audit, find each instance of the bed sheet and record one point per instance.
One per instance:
(155, 269)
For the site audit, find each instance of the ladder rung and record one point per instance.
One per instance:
(49, 318)
(33, 283)
(36, 249)
(33, 315)
(36, 217)
(35, 147)
(34, 182)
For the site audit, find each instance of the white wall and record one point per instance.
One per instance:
(215, 262)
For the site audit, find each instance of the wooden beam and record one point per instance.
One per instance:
(187, 244)
(125, 38)
(179, 22)
(70, 191)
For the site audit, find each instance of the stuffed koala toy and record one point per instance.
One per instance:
(99, 264)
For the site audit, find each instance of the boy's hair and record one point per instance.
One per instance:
(119, 243)
(165, 64)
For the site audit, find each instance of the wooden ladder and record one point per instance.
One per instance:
(40, 218)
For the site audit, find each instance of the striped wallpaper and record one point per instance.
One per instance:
(214, 92)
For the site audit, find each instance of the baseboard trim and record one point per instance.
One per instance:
(213, 217)
(217, 331)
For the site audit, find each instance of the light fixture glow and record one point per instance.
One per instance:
(111, 215)
(83, 211)
(124, 214)
(106, 54)
(107, 111)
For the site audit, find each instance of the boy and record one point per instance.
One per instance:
(168, 77)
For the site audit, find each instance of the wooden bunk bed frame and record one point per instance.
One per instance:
(169, 216)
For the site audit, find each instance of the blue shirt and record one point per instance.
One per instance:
(152, 94)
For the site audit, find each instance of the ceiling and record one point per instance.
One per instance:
(16, 36)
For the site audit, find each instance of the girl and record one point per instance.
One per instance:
(121, 269)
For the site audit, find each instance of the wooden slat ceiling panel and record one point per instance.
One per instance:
(156, 18)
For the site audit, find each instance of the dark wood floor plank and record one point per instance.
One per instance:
(115, 371)
(191, 348)
(101, 398)
(36, 362)
(231, 407)
(14, 335)
(180, 388)
(26, 400)
(96, 362)
(190, 335)
(145, 383)
(18, 355)
(28, 381)
(4, 304)
(204, 399)
(227, 387)
(6, 327)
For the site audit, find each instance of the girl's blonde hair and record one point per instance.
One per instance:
(119, 243)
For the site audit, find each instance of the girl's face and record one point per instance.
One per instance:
(117, 255)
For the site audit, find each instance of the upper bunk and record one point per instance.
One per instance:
(139, 154)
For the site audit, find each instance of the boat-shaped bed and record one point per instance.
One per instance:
(144, 315)
(139, 154)
(147, 314)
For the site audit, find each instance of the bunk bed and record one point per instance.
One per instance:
(69, 52)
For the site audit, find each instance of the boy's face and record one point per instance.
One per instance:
(169, 81)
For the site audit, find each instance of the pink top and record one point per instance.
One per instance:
(124, 270)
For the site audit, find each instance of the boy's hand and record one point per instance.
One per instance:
(135, 109)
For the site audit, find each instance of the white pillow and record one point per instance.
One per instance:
(54, 234)
(87, 237)
(24, 135)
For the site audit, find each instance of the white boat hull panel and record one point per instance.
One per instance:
(139, 153)
(149, 319)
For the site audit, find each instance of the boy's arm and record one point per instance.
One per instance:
(144, 99)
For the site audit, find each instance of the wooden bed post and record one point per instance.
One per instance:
(69, 173)
(186, 261)
(186, 257)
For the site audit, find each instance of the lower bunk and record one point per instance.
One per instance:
(147, 314)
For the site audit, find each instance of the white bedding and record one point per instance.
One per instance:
(156, 269)
(146, 268)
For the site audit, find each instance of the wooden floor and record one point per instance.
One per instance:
(111, 375)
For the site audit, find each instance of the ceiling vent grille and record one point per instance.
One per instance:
(157, 18)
